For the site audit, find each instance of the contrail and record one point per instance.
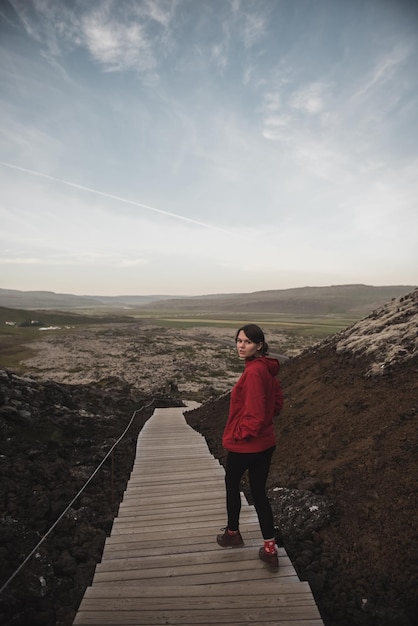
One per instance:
(112, 197)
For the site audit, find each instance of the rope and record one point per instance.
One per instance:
(6, 584)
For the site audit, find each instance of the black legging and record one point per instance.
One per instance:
(258, 466)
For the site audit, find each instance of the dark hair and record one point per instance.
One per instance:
(255, 334)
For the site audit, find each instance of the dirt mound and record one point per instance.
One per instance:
(348, 432)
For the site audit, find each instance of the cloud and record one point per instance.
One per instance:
(289, 114)
(384, 208)
(310, 99)
(119, 36)
(117, 42)
(53, 25)
(88, 259)
(219, 55)
(385, 69)
(272, 101)
(253, 28)
(324, 159)
(118, 46)
(248, 22)
(15, 260)
(279, 127)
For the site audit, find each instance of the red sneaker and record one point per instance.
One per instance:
(230, 541)
(270, 559)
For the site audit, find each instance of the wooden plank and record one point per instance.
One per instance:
(283, 616)
(173, 480)
(247, 601)
(279, 616)
(178, 536)
(185, 497)
(164, 534)
(161, 563)
(237, 589)
(211, 558)
(138, 525)
(164, 471)
(177, 576)
(173, 508)
(149, 512)
(148, 548)
(126, 509)
(189, 495)
(220, 499)
(195, 540)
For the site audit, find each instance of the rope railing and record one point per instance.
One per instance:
(41, 541)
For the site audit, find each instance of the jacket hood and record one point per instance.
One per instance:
(272, 365)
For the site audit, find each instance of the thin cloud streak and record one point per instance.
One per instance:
(112, 197)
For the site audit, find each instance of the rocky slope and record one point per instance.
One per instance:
(348, 434)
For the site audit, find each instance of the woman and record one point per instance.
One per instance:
(249, 439)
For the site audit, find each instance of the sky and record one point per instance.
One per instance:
(191, 147)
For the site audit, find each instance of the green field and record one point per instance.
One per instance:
(318, 327)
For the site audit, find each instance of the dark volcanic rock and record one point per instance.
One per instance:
(52, 438)
(299, 513)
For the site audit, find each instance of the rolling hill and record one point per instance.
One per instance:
(351, 300)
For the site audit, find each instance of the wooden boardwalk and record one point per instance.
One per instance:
(161, 563)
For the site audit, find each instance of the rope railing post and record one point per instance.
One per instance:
(88, 481)
(112, 478)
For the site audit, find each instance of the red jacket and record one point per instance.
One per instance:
(255, 399)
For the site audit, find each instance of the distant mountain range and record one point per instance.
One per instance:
(14, 298)
(355, 300)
